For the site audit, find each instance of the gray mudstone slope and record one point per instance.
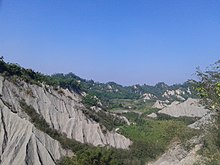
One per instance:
(189, 108)
(178, 155)
(62, 110)
(22, 144)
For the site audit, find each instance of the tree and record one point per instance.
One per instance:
(209, 86)
(209, 90)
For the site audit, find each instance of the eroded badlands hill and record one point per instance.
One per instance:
(22, 143)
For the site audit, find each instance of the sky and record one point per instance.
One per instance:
(125, 41)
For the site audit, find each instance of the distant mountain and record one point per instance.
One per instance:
(112, 90)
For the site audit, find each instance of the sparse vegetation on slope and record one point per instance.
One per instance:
(209, 89)
(40, 123)
(185, 119)
(211, 144)
(85, 153)
(151, 138)
(14, 72)
(105, 119)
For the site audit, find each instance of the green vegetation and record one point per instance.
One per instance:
(15, 72)
(111, 93)
(132, 116)
(90, 100)
(209, 86)
(105, 119)
(97, 156)
(211, 144)
(184, 119)
(209, 90)
(151, 138)
(137, 104)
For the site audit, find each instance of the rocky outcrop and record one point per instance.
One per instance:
(189, 108)
(205, 121)
(21, 143)
(62, 110)
(178, 155)
(178, 93)
(148, 96)
(159, 104)
(152, 115)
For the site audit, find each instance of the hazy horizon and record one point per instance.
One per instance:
(97, 81)
(128, 42)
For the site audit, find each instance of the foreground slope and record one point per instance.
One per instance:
(62, 110)
(21, 143)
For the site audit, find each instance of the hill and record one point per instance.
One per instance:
(64, 119)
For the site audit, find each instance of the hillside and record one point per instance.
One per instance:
(63, 119)
(112, 90)
(40, 106)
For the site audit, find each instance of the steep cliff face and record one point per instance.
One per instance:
(21, 143)
(62, 110)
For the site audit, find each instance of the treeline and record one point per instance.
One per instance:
(14, 71)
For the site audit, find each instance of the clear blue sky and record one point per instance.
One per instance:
(126, 41)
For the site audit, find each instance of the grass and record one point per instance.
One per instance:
(151, 138)
(138, 104)
(185, 119)
(131, 116)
